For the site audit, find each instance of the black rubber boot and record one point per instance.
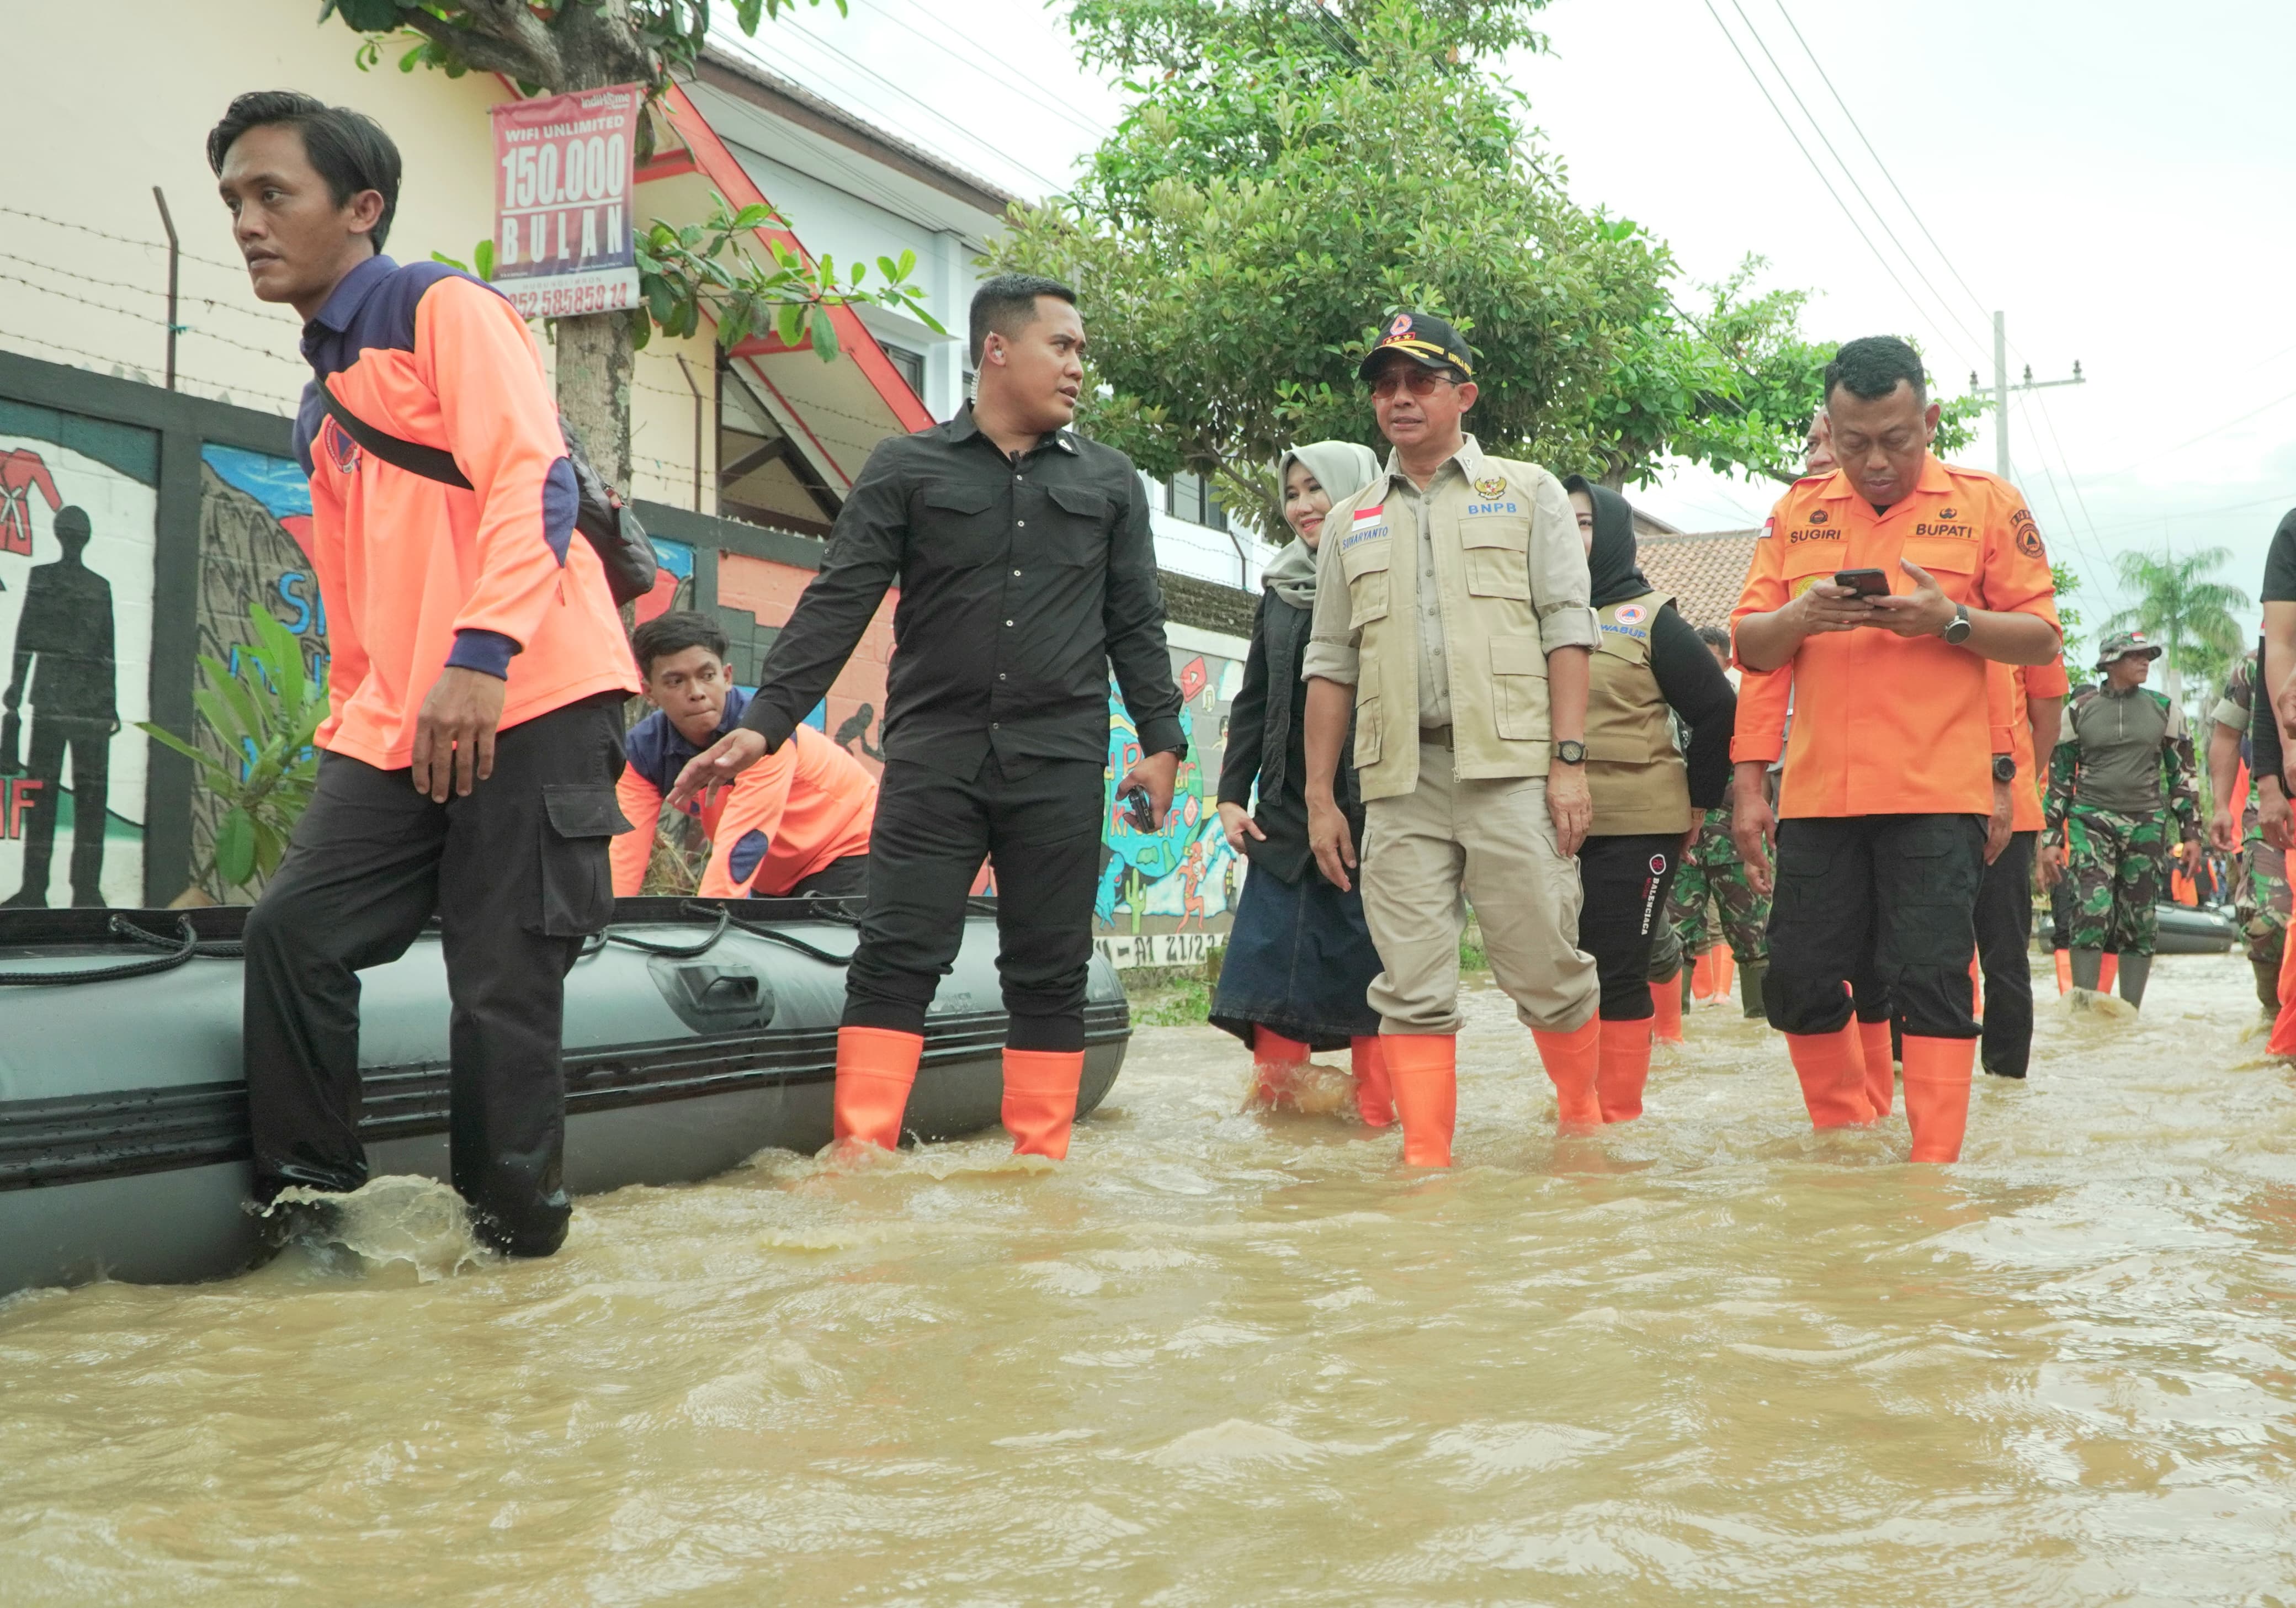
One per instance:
(2088, 967)
(1750, 988)
(2135, 970)
(2268, 985)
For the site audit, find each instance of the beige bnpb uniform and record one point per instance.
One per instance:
(1439, 608)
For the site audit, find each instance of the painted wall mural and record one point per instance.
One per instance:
(1166, 895)
(78, 507)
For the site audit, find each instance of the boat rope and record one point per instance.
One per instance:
(676, 951)
(186, 944)
(775, 935)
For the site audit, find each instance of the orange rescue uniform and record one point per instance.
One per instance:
(797, 811)
(1886, 724)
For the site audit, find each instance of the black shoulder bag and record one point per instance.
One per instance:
(611, 528)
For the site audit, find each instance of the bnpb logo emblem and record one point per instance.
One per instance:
(1401, 326)
(1631, 614)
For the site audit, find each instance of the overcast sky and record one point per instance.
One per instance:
(2122, 190)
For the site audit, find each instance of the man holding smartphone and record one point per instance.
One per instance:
(1027, 572)
(1899, 756)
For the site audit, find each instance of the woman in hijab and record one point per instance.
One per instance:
(1300, 958)
(1649, 793)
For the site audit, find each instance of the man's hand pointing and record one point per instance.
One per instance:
(717, 765)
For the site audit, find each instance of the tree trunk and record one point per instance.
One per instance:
(595, 362)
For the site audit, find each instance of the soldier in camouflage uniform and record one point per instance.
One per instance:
(2260, 901)
(2120, 791)
(1712, 873)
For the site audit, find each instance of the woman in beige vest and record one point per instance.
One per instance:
(1649, 794)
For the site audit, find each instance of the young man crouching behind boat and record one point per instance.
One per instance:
(1027, 571)
(796, 823)
(477, 682)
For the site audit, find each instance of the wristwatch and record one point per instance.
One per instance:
(1957, 628)
(1570, 751)
(2004, 768)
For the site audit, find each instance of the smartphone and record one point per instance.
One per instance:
(1865, 582)
(1142, 814)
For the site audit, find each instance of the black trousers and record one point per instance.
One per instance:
(2005, 942)
(1886, 900)
(517, 873)
(1626, 881)
(845, 878)
(1038, 824)
(89, 743)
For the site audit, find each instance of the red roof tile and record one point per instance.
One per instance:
(1704, 574)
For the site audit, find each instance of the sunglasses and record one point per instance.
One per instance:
(1419, 382)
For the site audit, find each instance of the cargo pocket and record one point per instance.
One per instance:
(1368, 582)
(578, 820)
(1367, 733)
(1518, 683)
(1498, 560)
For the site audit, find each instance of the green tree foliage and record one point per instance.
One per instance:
(1286, 176)
(265, 716)
(2068, 583)
(574, 45)
(2180, 604)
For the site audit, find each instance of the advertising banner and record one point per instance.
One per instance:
(565, 171)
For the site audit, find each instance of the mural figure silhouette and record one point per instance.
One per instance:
(64, 645)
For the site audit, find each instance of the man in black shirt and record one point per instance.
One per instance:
(1027, 569)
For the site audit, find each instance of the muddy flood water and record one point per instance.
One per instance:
(1223, 1359)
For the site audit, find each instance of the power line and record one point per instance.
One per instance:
(958, 43)
(1976, 300)
(947, 122)
(1819, 130)
(1848, 215)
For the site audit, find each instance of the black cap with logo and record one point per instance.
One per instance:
(1424, 338)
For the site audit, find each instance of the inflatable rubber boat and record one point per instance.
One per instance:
(697, 1034)
(2186, 931)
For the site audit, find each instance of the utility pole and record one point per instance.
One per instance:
(2002, 388)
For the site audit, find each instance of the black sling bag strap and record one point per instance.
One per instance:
(611, 529)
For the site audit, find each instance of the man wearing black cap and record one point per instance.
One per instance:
(1451, 608)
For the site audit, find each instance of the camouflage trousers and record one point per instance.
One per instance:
(1711, 896)
(2260, 900)
(2116, 872)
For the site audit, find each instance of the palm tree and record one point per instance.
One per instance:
(2182, 607)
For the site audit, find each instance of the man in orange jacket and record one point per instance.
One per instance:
(1892, 776)
(479, 669)
(798, 820)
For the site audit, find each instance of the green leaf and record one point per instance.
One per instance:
(235, 849)
(790, 322)
(483, 255)
(824, 334)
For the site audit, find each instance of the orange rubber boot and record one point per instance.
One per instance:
(2064, 971)
(2108, 973)
(1881, 1069)
(1937, 1095)
(1666, 1027)
(874, 1069)
(1573, 1060)
(1375, 1099)
(1040, 1100)
(1276, 1058)
(1622, 1069)
(1832, 1067)
(1976, 988)
(1422, 1069)
(1702, 976)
